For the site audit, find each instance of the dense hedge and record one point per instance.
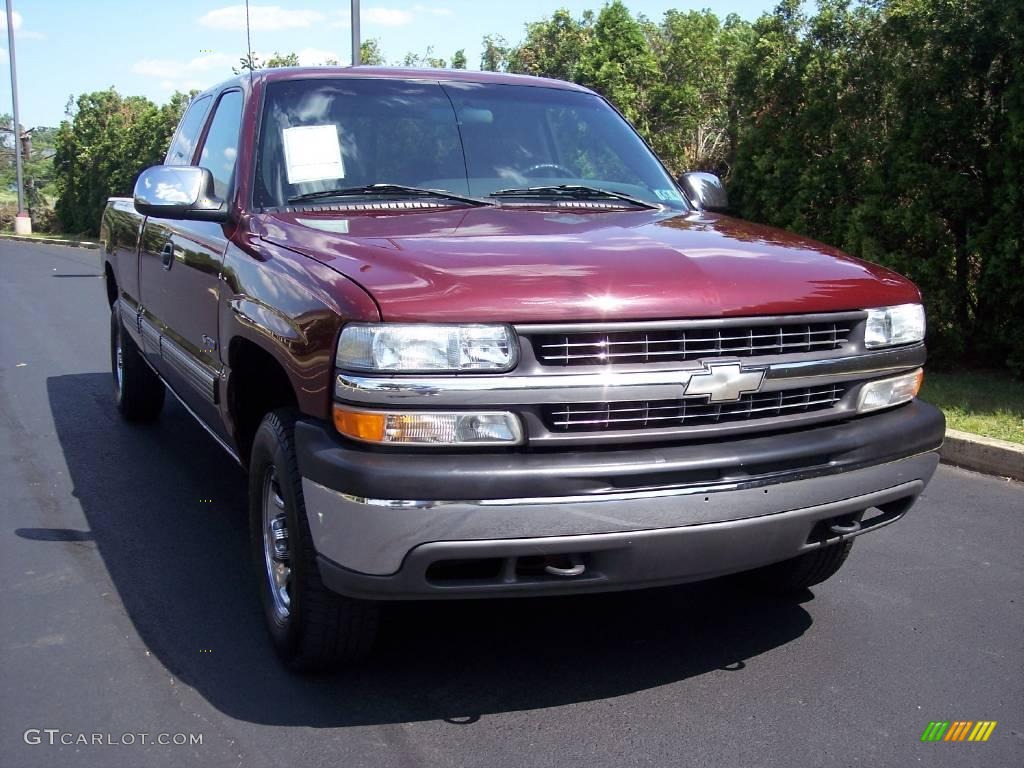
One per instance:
(898, 134)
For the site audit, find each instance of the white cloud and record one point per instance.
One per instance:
(194, 74)
(23, 34)
(312, 57)
(214, 63)
(387, 17)
(434, 11)
(261, 17)
(17, 21)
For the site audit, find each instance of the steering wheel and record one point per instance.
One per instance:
(562, 170)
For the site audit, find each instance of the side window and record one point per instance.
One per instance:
(184, 144)
(221, 144)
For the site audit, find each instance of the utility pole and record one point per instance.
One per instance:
(22, 222)
(356, 43)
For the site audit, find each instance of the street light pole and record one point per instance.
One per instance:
(356, 43)
(22, 223)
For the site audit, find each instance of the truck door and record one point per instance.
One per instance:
(179, 273)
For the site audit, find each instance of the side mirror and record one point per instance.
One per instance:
(705, 191)
(178, 192)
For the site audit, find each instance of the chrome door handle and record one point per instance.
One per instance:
(167, 255)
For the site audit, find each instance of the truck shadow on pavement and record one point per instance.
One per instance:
(166, 508)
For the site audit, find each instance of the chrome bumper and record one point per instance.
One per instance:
(385, 549)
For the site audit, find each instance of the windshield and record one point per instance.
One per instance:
(466, 138)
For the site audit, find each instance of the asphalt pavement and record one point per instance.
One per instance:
(129, 609)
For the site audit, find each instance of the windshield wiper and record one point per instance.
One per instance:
(388, 190)
(574, 191)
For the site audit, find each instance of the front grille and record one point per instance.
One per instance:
(659, 414)
(637, 347)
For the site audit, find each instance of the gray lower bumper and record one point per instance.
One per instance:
(644, 538)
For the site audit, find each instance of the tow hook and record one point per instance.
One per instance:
(564, 565)
(840, 529)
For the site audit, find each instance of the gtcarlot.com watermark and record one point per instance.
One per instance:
(55, 736)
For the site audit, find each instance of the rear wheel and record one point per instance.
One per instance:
(138, 391)
(803, 571)
(312, 628)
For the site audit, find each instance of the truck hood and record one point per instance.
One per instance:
(547, 265)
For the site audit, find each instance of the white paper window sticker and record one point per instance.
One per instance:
(312, 153)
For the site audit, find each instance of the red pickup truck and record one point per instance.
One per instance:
(471, 339)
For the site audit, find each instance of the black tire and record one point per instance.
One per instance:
(803, 571)
(321, 630)
(138, 391)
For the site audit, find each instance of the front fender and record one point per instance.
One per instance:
(293, 308)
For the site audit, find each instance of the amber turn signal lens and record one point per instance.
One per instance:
(886, 393)
(429, 428)
(360, 425)
(919, 382)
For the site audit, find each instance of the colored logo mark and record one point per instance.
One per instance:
(958, 730)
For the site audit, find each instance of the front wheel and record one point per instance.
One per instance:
(312, 628)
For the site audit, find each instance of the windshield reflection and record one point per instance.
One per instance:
(466, 138)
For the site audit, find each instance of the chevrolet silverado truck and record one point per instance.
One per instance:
(470, 338)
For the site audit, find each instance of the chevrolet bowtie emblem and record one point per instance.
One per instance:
(725, 382)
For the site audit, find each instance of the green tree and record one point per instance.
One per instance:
(251, 62)
(495, 54)
(610, 53)
(8, 146)
(553, 47)
(426, 59)
(40, 179)
(282, 60)
(101, 149)
(694, 115)
(370, 52)
(935, 203)
(617, 62)
(1001, 237)
(894, 131)
(459, 59)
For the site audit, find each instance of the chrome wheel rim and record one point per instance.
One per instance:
(276, 549)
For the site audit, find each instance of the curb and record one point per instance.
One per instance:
(983, 454)
(52, 241)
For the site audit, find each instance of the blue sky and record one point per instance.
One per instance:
(69, 47)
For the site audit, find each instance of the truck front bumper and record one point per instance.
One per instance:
(521, 523)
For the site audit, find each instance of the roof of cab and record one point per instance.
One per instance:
(410, 73)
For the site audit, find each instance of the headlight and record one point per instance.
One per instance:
(427, 348)
(889, 326)
(433, 428)
(885, 393)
